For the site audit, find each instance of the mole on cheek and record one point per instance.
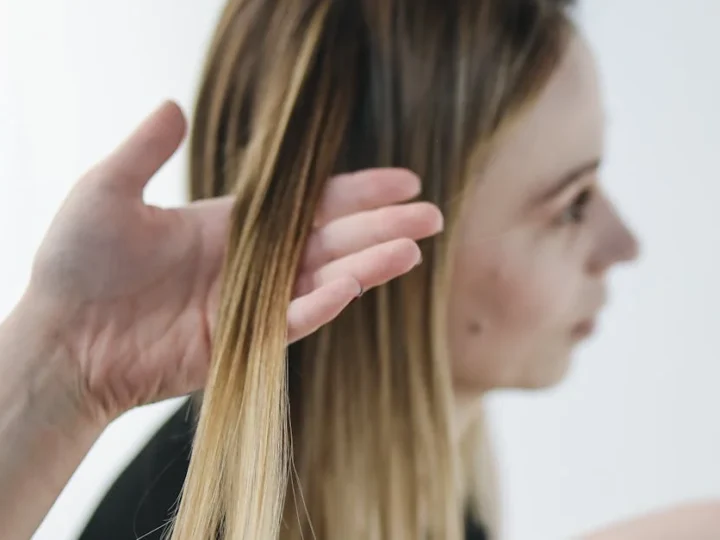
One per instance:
(474, 327)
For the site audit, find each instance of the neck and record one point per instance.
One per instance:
(467, 410)
(478, 466)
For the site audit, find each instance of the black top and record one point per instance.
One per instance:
(140, 502)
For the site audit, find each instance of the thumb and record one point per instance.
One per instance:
(131, 166)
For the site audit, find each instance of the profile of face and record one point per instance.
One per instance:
(536, 240)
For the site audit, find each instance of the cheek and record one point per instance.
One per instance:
(509, 289)
(512, 306)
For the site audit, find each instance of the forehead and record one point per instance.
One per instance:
(561, 129)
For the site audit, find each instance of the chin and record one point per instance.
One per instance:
(544, 380)
(539, 374)
(553, 373)
(545, 383)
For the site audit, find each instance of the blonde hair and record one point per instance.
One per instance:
(348, 433)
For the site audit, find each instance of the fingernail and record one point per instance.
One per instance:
(419, 261)
(417, 189)
(361, 291)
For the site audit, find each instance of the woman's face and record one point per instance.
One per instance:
(536, 241)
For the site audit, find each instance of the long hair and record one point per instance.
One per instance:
(348, 433)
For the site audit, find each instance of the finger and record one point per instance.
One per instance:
(308, 313)
(140, 156)
(371, 267)
(364, 229)
(365, 190)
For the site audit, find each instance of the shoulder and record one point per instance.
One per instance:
(699, 521)
(142, 498)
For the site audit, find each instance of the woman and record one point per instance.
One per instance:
(496, 106)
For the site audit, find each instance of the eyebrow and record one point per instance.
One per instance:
(566, 181)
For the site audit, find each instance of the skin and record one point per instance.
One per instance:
(121, 301)
(696, 521)
(529, 270)
(87, 342)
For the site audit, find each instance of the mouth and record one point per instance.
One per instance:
(583, 329)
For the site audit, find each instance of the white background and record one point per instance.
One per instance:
(634, 427)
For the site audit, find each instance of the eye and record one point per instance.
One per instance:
(575, 212)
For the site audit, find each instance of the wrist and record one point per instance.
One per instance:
(46, 425)
(40, 359)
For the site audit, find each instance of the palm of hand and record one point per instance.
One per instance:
(135, 282)
(133, 288)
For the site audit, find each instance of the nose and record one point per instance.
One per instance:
(627, 243)
(616, 243)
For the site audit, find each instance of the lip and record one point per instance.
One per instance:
(584, 329)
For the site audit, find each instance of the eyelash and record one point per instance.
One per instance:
(574, 213)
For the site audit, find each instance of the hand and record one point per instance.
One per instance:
(131, 290)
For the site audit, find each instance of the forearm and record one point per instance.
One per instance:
(44, 430)
(700, 521)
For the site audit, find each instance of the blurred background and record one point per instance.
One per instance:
(635, 426)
